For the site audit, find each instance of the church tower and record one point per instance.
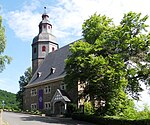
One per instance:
(43, 43)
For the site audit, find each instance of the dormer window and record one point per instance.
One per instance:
(43, 48)
(53, 70)
(39, 74)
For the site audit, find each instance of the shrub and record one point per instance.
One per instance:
(47, 112)
(71, 108)
(88, 108)
(109, 120)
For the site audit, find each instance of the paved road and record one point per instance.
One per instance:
(26, 119)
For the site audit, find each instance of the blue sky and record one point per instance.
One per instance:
(21, 19)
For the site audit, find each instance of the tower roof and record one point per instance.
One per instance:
(44, 37)
(45, 30)
(45, 15)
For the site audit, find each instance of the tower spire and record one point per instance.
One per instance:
(44, 10)
(43, 43)
(44, 15)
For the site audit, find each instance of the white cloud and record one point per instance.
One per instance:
(24, 26)
(32, 5)
(67, 16)
(24, 22)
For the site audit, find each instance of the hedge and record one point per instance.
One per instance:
(108, 121)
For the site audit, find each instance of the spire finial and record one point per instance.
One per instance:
(45, 10)
(44, 15)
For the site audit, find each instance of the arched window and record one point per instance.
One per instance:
(53, 49)
(43, 48)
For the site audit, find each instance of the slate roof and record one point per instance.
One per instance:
(52, 60)
(44, 37)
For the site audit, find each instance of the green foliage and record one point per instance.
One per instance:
(71, 108)
(3, 58)
(35, 112)
(88, 108)
(120, 106)
(109, 120)
(9, 100)
(140, 115)
(112, 60)
(95, 26)
(24, 80)
(46, 112)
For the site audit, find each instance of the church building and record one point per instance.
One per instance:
(47, 90)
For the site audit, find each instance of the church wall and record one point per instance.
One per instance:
(40, 96)
(73, 93)
(42, 54)
(47, 97)
(36, 64)
(34, 51)
(52, 47)
(29, 100)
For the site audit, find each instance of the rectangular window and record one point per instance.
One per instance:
(33, 92)
(47, 105)
(47, 89)
(33, 106)
(63, 86)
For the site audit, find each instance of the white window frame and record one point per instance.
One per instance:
(47, 89)
(33, 92)
(33, 106)
(47, 105)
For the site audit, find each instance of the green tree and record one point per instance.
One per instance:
(9, 100)
(111, 60)
(3, 58)
(24, 80)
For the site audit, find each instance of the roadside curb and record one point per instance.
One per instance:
(1, 111)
